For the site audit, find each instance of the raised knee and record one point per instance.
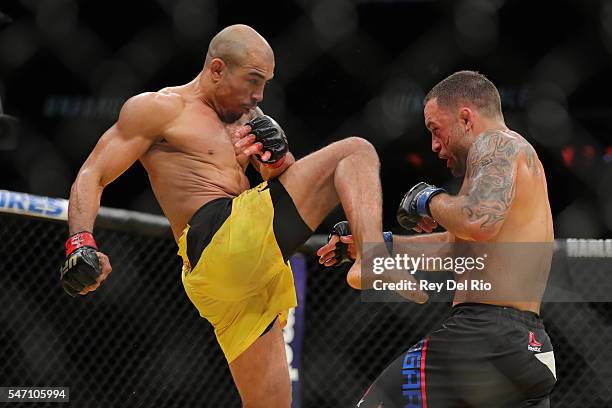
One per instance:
(355, 143)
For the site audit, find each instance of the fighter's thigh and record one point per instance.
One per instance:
(310, 181)
(261, 372)
(402, 384)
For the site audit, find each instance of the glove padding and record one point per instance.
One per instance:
(271, 136)
(415, 204)
(341, 253)
(81, 268)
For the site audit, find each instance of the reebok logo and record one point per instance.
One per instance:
(534, 345)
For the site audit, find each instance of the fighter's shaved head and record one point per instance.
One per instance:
(235, 44)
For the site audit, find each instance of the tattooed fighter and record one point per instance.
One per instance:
(493, 350)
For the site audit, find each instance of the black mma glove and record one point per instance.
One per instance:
(415, 204)
(342, 253)
(272, 138)
(82, 265)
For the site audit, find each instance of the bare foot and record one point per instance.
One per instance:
(353, 277)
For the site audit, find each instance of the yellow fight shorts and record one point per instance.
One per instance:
(235, 263)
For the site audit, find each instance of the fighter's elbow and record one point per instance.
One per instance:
(90, 177)
(482, 232)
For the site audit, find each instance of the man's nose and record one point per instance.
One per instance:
(435, 145)
(257, 97)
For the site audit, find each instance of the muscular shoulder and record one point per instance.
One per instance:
(150, 113)
(499, 149)
(492, 148)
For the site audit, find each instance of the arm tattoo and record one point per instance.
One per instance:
(492, 174)
(532, 159)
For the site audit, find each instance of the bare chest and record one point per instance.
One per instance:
(199, 137)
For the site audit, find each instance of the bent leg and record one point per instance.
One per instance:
(345, 172)
(261, 373)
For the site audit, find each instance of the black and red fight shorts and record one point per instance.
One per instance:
(483, 356)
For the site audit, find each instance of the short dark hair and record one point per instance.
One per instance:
(467, 86)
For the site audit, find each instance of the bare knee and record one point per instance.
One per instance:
(355, 143)
(358, 149)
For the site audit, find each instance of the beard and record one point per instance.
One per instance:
(231, 117)
(456, 153)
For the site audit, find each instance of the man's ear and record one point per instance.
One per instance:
(466, 116)
(217, 69)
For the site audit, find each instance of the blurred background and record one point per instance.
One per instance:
(342, 68)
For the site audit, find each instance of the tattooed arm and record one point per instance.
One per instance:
(490, 181)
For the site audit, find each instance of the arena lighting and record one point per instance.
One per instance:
(571, 155)
(608, 155)
(415, 159)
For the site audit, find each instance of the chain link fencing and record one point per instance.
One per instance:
(138, 342)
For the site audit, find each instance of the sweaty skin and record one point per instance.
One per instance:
(194, 161)
(191, 141)
(189, 138)
(504, 198)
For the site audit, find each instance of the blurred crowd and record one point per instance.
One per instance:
(342, 68)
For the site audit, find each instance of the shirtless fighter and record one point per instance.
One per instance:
(235, 242)
(493, 350)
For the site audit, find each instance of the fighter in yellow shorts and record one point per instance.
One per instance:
(195, 143)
